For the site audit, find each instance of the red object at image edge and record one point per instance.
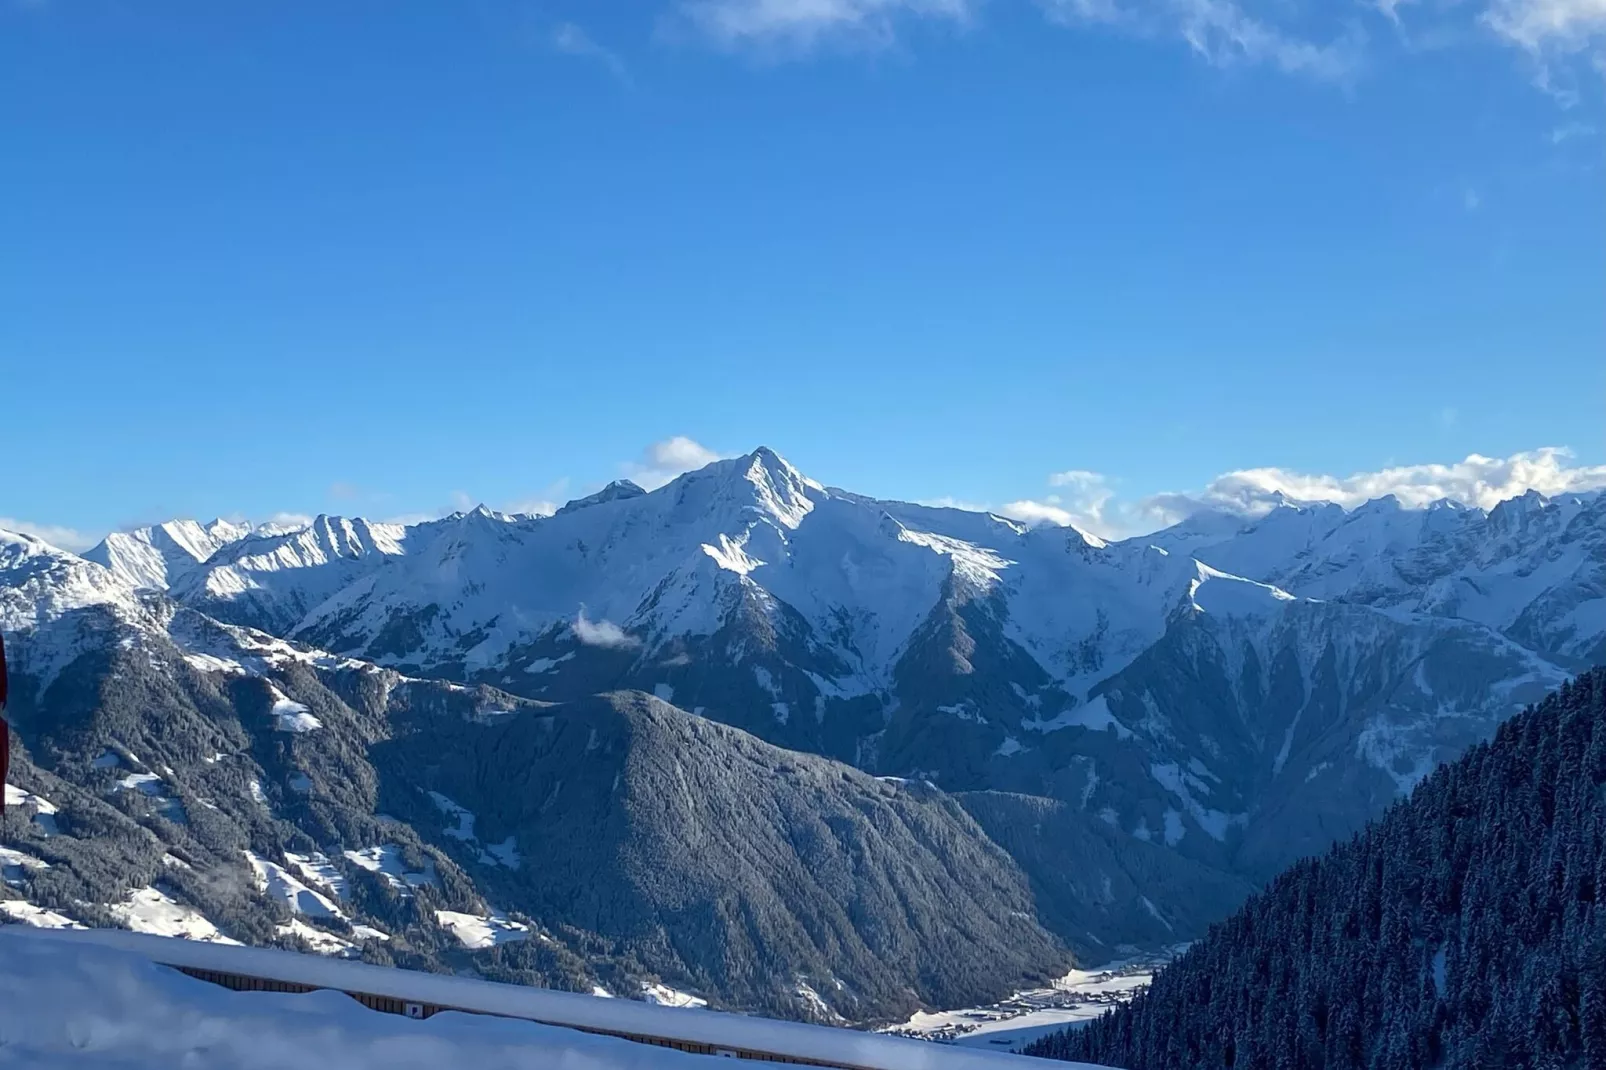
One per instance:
(5, 729)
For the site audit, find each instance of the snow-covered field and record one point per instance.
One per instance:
(476, 931)
(1011, 1024)
(72, 1007)
(148, 910)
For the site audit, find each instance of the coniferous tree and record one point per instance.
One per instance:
(1460, 930)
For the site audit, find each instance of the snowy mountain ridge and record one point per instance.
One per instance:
(1141, 726)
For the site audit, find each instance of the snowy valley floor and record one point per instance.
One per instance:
(1012, 1023)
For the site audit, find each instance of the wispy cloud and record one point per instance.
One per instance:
(289, 520)
(1478, 481)
(1556, 35)
(63, 538)
(543, 503)
(800, 26)
(603, 633)
(663, 461)
(1538, 25)
(1087, 499)
(572, 39)
(1568, 131)
(1221, 32)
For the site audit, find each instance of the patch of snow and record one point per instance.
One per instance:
(213, 663)
(1093, 715)
(44, 810)
(478, 931)
(465, 820)
(1171, 776)
(1012, 1023)
(148, 910)
(664, 692)
(107, 760)
(506, 853)
(1011, 745)
(104, 1007)
(665, 996)
(145, 783)
(322, 943)
(965, 711)
(292, 716)
(387, 860)
(40, 918)
(277, 883)
(16, 865)
(542, 665)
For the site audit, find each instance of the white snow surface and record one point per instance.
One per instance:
(664, 996)
(95, 1007)
(96, 999)
(279, 883)
(153, 557)
(25, 913)
(151, 911)
(1012, 1023)
(291, 716)
(387, 859)
(476, 931)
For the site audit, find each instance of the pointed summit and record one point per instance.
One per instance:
(783, 491)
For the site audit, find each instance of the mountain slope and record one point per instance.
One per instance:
(1146, 728)
(157, 556)
(745, 869)
(184, 775)
(271, 581)
(1464, 929)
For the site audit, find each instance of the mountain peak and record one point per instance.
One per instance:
(618, 490)
(783, 491)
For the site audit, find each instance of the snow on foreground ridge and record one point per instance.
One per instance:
(96, 998)
(83, 1006)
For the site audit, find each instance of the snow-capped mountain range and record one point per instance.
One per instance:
(1229, 693)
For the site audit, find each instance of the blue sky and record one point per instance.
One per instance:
(381, 258)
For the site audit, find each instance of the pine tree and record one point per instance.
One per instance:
(1462, 930)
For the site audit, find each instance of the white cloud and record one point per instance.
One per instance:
(1479, 481)
(663, 461)
(802, 25)
(290, 520)
(1390, 9)
(1221, 32)
(1554, 34)
(573, 40)
(1034, 513)
(1568, 131)
(1539, 25)
(1088, 502)
(603, 633)
(63, 538)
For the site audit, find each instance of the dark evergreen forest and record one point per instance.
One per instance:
(1463, 929)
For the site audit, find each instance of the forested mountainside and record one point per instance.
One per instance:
(1466, 928)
